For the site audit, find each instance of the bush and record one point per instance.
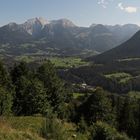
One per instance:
(5, 101)
(98, 107)
(102, 131)
(53, 128)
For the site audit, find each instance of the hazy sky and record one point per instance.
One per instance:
(81, 12)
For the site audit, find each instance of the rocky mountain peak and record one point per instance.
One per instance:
(34, 25)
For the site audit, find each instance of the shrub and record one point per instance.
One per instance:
(102, 131)
(5, 101)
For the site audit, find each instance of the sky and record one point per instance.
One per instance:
(80, 12)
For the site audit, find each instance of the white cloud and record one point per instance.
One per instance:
(131, 9)
(104, 3)
(121, 6)
(128, 9)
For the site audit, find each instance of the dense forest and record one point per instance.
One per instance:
(39, 91)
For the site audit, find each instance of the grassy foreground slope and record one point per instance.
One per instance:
(21, 128)
(33, 128)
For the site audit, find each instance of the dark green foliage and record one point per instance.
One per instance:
(102, 131)
(36, 92)
(98, 108)
(19, 75)
(121, 112)
(6, 102)
(37, 101)
(82, 126)
(41, 91)
(53, 85)
(6, 92)
(18, 71)
(21, 96)
(95, 76)
(129, 116)
(34, 98)
(5, 79)
(3, 75)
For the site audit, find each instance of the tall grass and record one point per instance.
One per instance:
(55, 129)
(19, 128)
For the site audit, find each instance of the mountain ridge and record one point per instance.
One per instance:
(127, 50)
(62, 34)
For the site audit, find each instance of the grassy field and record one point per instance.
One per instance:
(78, 95)
(121, 77)
(27, 59)
(21, 128)
(63, 62)
(32, 128)
(67, 62)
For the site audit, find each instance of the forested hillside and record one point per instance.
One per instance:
(40, 93)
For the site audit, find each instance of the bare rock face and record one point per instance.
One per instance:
(34, 26)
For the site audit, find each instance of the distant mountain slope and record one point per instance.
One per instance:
(124, 32)
(39, 35)
(12, 33)
(128, 50)
(101, 38)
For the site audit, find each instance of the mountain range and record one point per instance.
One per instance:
(61, 37)
(127, 51)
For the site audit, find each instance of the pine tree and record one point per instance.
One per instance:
(53, 85)
(98, 108)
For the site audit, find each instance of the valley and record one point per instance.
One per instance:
(64, 82)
